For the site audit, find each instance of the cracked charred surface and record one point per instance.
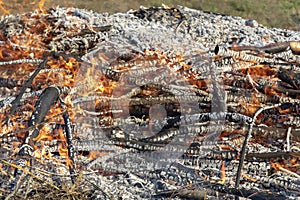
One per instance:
(104, 102)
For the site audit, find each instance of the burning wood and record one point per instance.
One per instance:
(79, 96)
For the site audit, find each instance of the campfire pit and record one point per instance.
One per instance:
(153, 103)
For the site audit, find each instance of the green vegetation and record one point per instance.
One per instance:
(272, 13)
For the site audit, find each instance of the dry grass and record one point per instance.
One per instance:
(272, 13)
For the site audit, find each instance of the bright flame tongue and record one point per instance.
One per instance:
(3, 8)
(41, 6)
(27, 43)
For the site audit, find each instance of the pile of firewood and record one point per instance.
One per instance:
(97, 103)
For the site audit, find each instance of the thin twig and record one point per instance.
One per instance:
(29, 173)
(288, 135)
(247, 137)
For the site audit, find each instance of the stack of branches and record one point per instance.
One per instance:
(72, 103)
(242, 116)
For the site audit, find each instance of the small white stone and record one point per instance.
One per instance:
(251, 23)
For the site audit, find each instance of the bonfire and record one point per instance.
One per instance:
(146, 104)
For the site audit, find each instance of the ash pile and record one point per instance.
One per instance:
(150, 104)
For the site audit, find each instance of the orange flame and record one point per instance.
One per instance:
(96, 154)
(223, 173)
(41, 6)
(281, 167)
(3, 8)
(249, 178)
(44, 134)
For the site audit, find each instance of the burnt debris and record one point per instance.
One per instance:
(158, 99)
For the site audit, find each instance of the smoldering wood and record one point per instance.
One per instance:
(21, 61)
(184, 193)
(222, 51)
(271, 48)
(10, 83)
(26, 85)
(271, 155)
(71, 150)
(247, 136)
(47, 98)
(42, 107)
(245, 81)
